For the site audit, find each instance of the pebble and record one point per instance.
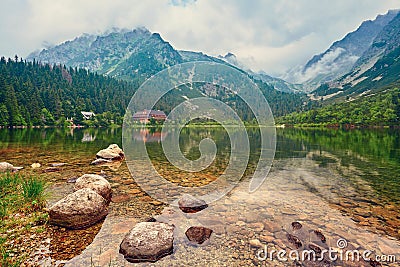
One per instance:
(256, 243)
(240, 223)
(258, 226)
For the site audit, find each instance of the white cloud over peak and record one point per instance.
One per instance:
(265, 34)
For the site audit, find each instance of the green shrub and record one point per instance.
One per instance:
(8, 181)
(3, 209)
(33, 189)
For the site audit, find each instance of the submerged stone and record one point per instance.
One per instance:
(100, 161)
(60, 164)
(296, 225)
(294, 240)
(190, 204)
(51, 169)
(35, 165)
(320, 235)
(198, 234)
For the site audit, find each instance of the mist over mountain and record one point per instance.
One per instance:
(377, 68)
(341, 57)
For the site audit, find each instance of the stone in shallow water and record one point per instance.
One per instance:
(7, 167)
(148, 241)
(112, 152)
(296, 225)
(100, 161)
(36, 165)
(320, 235)
(294, 240)
(51, 169)
(315, 248)
(121, 198)
(95, 182)
(78, 210)
(57, 164)
(190, 204)
(256, 243)
(72, 180)
(198, 234)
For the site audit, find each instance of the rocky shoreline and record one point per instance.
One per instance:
(229, 232)
(242, 224)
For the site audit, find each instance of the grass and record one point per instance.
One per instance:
(22, 200)
(33, 189)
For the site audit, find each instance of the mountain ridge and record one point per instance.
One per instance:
(124, 54)
(341, 56)
(378, 67)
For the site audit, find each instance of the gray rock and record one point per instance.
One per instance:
(7, 167)
(78, 210)
(100, 161)
(112, 152)
(95, 182)
(58, 164)
(148, 241)
(190, 204)
(72, 180)
(51, 169)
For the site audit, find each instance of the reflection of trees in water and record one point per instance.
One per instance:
(370, 155)
(60, 139)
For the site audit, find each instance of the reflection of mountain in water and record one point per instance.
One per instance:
(148, 136)
(88, 137)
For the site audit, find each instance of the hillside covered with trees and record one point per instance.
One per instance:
(35, 94)
(32, 94)
(381, 109)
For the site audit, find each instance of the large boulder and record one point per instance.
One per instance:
(78, 210)
(190, 204)
(148, 241)
(112, 152)
(95, 182)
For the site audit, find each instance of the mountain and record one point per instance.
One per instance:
(126, 54)
(120, 54)
(342, 56)
(277, 83)
(377, 68)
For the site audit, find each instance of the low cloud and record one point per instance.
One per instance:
(269, 35)
(331, 62)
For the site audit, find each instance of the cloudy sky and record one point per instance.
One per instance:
(269, 35)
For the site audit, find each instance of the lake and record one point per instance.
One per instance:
(345, 183)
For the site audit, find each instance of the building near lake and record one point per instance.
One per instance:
(87, 115)
(146, 115)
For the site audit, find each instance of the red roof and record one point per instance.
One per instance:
(148, 114)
